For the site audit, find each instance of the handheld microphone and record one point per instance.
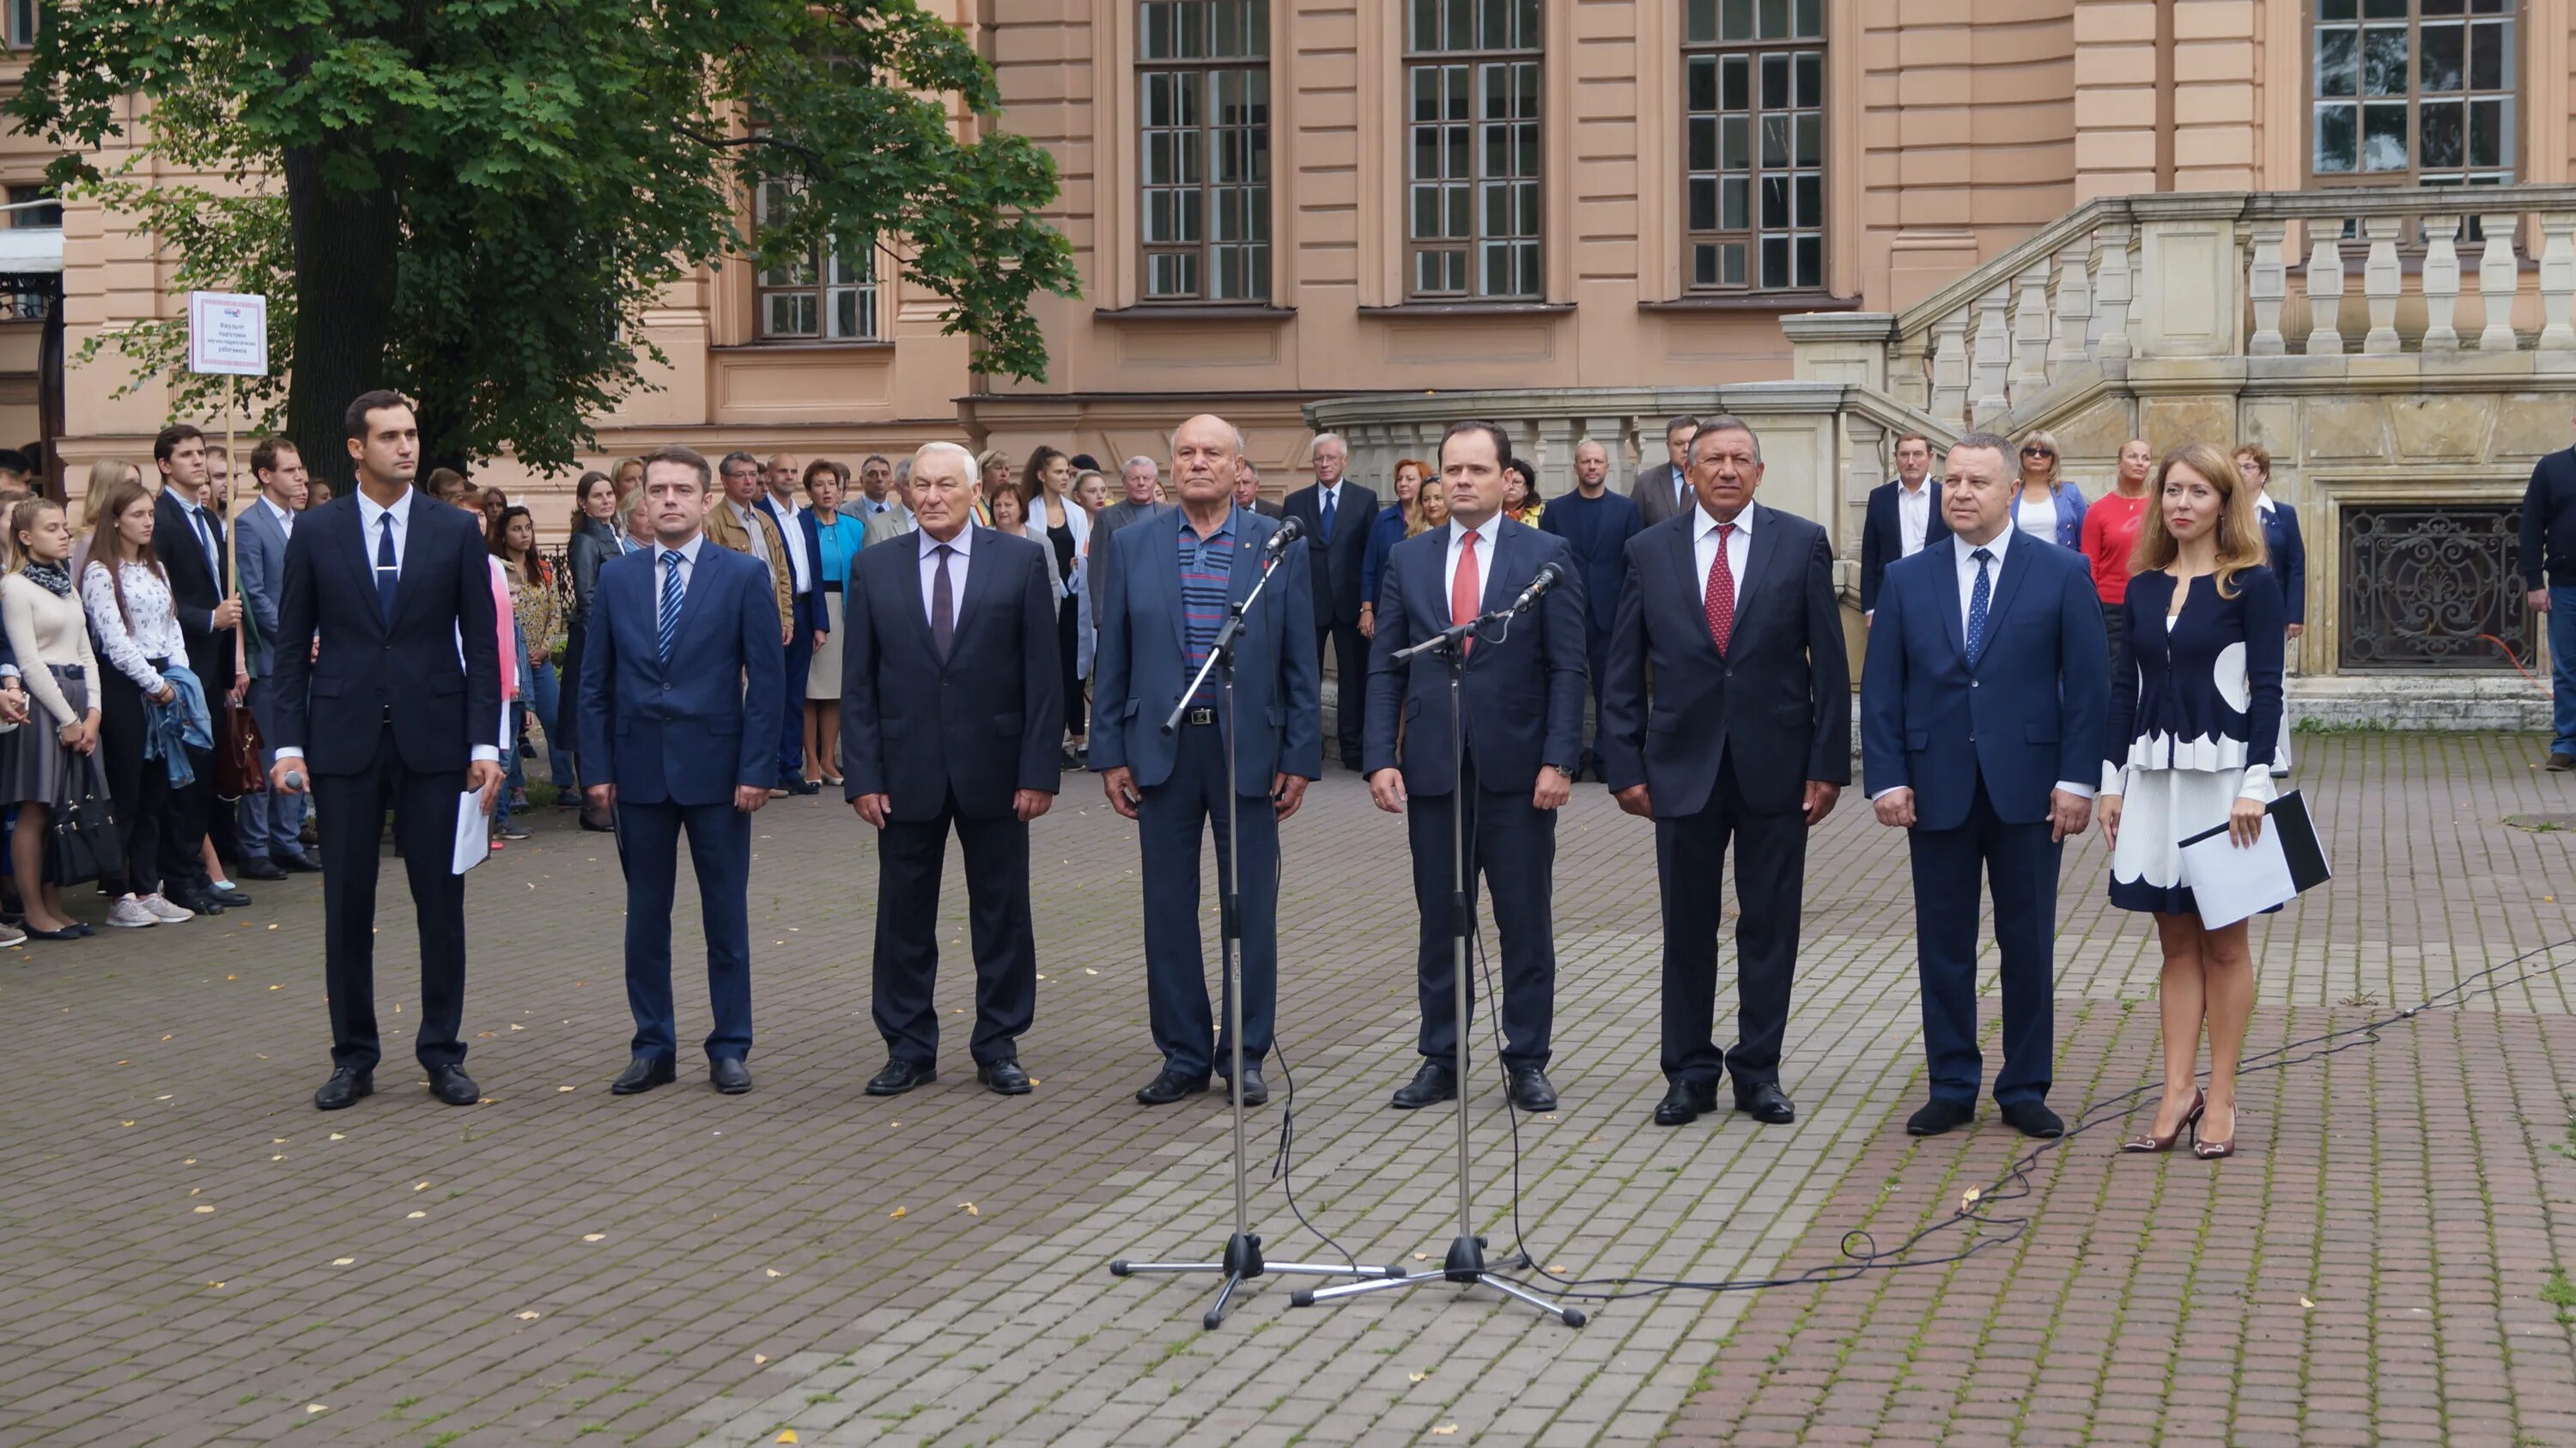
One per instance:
(295, 781)
(1290, 530)
(1549, 575)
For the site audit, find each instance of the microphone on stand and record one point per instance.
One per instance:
(1290, 530)
(1549, 575)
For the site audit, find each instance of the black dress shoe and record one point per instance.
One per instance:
(1938, 1115)
(344, 1089)
(1685, 1104)
(2560, 763)
(1169, 1087)
(1256, 1092)
(233, 898)
(900, 1076)
(1530, 1090)
(1766, 1103)
(595, 820)
(259, 869)
(803, 786)
(2033, 1118)
(294, 862)
(642, 1074)
(1004, 1078)
(203, 902)
(1432, 1084)
(451, 1085)
(731, 1076)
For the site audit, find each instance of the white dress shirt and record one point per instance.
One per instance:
(371, 516)
(1485, 535)
(963, 543)
(791, 530)
(1913, 516)
(1739, 548)
(688, 570)
(285, 519)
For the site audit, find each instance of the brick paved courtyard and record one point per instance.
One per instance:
(189, 1253)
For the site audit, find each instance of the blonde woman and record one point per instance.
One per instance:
(49, 634)
(2048, 507)
(1385, 531)
(1431, 507)
(992, 475)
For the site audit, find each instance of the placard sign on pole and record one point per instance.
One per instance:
(228, 333)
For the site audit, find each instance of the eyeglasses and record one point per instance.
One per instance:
(2036, 451)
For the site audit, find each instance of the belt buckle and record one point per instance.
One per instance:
(1200, 717)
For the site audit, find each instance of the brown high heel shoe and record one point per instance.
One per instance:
(2213, 1150)
(2154, 1143)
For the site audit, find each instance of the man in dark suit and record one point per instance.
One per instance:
(1987, 781)
(2288, 554)
(808, 615)
(1247, 493)
(1336, 516)
(679, 703)
(1169, 582)
(951, 703)
(400, 710)
(1596, 524)
(270, 847)
(1664, 491)
(1904, 516)
(189, 539)
(1522, 697)
(1727, 719)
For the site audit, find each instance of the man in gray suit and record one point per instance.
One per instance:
(269, 823)
(895, 521)
(877, 492)
(1664, 490)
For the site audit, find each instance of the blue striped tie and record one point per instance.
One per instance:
(1979, 598)
(671, 594)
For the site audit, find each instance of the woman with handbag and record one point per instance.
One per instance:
(130, 615)
(53, 758)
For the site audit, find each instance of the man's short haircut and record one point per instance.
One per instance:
(218, 450)
(1322, 438)
(263, 457)
(1680, 424)
(1903, 438)
(14, 461)
(966, 462)
(777, 457)
(167, 440)
(875, 458)
(737, 456)
(2261, 456)
(1494, 430)
(1142, 461)
(1594, 442)
(903, 469)
(690, 458)
(1723, 422)
(354, 421)
(1993, 442)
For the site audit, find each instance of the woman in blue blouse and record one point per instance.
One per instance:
(833, 539)
(1392, 526)
(2195, 714)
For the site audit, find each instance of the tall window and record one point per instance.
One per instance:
(19, 19)
(1754, 143)
(1204, 90)
(2413, 92)
(1471, 78)
(828, 294)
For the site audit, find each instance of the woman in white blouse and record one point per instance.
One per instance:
(50, 635)
(127, 596)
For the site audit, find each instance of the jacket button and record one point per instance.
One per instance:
(1972, 683)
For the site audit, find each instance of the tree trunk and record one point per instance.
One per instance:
(347, 246)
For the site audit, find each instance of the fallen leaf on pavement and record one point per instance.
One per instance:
(594, 1236)
(1416, 1377)
(316, 1408)
(343, 1261)
(897, 1212)
(414, 1216)
(203, 1211)
(527, 1317)
(758, 1358)
(970, 1209)
(774, 1272)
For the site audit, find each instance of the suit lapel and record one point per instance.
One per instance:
(1946, 587)
(1160, 564)
(1245, 570)
(981, 581)
(1683, 548)
(1499, 563)
(352, 524)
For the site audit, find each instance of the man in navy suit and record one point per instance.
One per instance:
(399, 708)
(1904, 516)
(809, 615)
(1170, 581)
(1988, 781)
(1523, 736)
(1729, 618)
(1336, 515)
(188, 537)
(680, 683)
(2288, 555)
(952, 706)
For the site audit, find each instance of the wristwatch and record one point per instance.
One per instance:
(1561, 769)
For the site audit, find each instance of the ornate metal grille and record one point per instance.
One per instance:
(2430, 587)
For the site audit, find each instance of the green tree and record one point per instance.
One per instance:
(475, 200)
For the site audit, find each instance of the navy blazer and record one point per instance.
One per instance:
(1779, 699)
(2287, 553)
(196, 588)
(1334, 567)
(333, 706)
(812, 614)
(686, 732)
(1882, 535)
(982, 724)
(1142, 663)
(1927, 721)
(1523, 689)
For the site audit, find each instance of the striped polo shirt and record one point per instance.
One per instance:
(1207, 577)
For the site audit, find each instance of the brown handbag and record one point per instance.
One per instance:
(237, 771)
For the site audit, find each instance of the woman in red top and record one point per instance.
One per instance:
(2111, 534)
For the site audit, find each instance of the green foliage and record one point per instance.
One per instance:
(477, 200)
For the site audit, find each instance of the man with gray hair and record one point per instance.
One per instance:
(1136, 482)
(876, 488)
(898, 520)
(736, 521)
(1336, 516)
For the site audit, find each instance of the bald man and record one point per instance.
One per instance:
(1597, 524)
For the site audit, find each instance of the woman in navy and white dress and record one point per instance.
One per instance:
(2195, 716)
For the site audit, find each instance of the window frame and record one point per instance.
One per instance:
(1211, 132)
(18, 37)
(819, 263)
(2517, 19)
(1475, 62)
(1751, 234)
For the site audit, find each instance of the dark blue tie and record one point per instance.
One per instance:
(387, 570)
(1328, 515)
(668, 627)
(1979, 598)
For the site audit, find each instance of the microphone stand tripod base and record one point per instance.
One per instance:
(1242, 1263)
(1465, 1266)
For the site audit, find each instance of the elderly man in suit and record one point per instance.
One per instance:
(1727, 721)
(951, 697)
(1986, 782)
(1247, 492)
(270, 823)
(1164, 595)
(1903, 518)
(189, 538)
(1336, 516)
(1664, 490)
(737, 521)
(679, 712)
(1518, 742)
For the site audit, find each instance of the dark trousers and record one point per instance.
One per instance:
(139, 787)
(1068, 643)
(2020, 865)
(1512, 843)
(1168, 826)
(1598, 650)
(190, 811)
(791, 719)
(351, 811)
(910, 857)
(1350, 656)
(1770, 870)
(566, 725)
(720, 853)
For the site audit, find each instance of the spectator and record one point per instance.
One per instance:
(833, 540)
(1431, 507)
(2111, 534)
(1091, 490)
(2549, 573)
(448, 486)
(494, 503)
(104, 475)
(1394, 524)
(126, 595)
(1065, 529)
(49, 633)
(634, 523)
(2285, 552)
(629, 475)
(594, 541)
(219, 479)
(876, 489)
(992, 474)
(513, 540)
(1521, 502)
(317, 492)
(2048, 507)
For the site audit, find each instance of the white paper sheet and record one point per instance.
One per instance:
(2231, 884)
(473, 832)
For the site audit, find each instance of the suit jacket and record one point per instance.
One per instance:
(260, 547)
(1269, 509)
(1142, 663)
(1523, 694)
(2288, 555)
(726, 531)
(688, 731)
(1654, 494)
(797, 526)
(1779, 700)
(1929, 723)
(888, 524)
(980, 725)
(333, 707)
(1335, 564)
(1882, 535)
(196, 589)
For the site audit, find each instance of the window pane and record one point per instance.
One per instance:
(2383, 60)
(2441, 67)
(2338, 62)
(1809, 193)
(1700, 20)
(1775, 19)
(1738, 90)
(1735, 20)
(1775, 82)
(2487, 56)
(1775, 261)
(1811, 261)
(1811, 138)
(1702, 134)
(1703, 203)
(1701, 86)
(1775, 202)
(2336, 9)
(1731, 263)
(2487, 133)
(1811, 19)
(1703, 266)
(1735, 211)
(2383, 137)
(2337, 147)
(1775, 141)
(2441, 130)
(1811, 78)
(1733, 153)
(2383, 9)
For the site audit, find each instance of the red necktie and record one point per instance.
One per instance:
(1721, 593)
(1466, 590)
